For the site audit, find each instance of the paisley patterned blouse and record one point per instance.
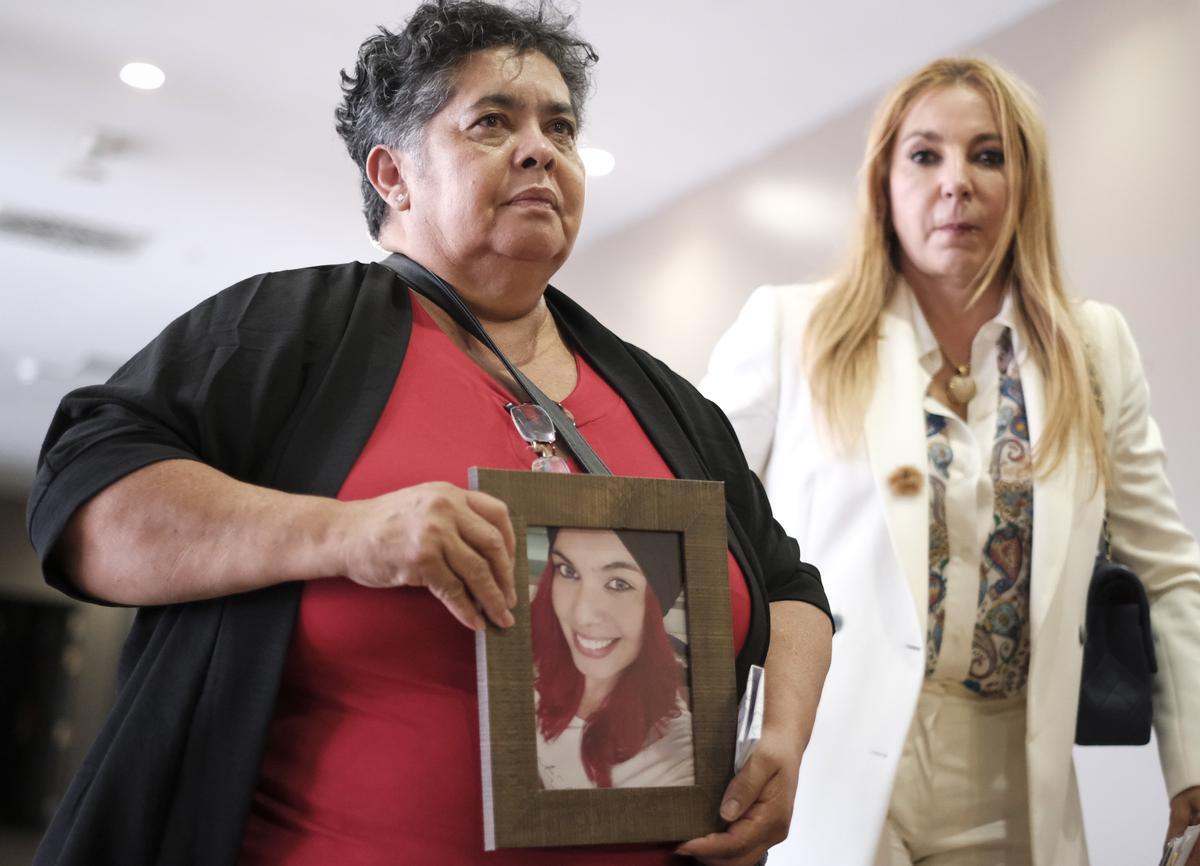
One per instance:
(999, 663)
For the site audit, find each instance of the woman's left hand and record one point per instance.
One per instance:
(758, 805)
(1185, 810)
(758, 800)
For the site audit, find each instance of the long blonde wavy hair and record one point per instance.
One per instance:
(842, 336)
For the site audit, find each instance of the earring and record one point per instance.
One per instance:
(399, 199)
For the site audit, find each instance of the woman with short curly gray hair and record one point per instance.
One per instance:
(403, 79)
(277, 482)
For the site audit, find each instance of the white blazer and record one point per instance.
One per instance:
(872, 548)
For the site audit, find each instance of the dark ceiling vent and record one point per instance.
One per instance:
(68, 235)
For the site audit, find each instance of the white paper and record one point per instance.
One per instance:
(750, 715)
(1180, 847)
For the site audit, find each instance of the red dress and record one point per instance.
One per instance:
(373, 752)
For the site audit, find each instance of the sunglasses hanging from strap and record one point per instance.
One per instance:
(430, 285)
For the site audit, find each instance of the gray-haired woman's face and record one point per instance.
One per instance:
(498, 173)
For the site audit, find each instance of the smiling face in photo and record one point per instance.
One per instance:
(599, 598)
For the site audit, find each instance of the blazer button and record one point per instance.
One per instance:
(1082, 636)
(906, 481)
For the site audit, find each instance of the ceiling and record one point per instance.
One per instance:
(233, 167)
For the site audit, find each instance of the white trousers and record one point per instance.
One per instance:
(961, 797)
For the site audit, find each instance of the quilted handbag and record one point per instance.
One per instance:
(1118, 658)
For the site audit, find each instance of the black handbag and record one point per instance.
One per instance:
(1115, 693)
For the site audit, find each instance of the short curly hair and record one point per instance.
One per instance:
(403, 79)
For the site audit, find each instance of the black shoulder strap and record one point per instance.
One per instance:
(433, 287)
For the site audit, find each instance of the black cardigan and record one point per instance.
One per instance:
(279, 381)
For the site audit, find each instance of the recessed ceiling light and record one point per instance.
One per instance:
(143, 76)
(27, 370)
(597, 162)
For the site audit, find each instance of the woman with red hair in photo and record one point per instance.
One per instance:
(611, 711)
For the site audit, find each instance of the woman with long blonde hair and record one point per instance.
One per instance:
(944, 429)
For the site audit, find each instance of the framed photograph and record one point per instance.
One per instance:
(608, 713)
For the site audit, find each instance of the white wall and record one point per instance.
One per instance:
(1119, 84)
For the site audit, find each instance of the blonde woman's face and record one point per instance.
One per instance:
(599, 598)
(947, 186)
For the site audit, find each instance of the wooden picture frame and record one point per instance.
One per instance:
(519, 810)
